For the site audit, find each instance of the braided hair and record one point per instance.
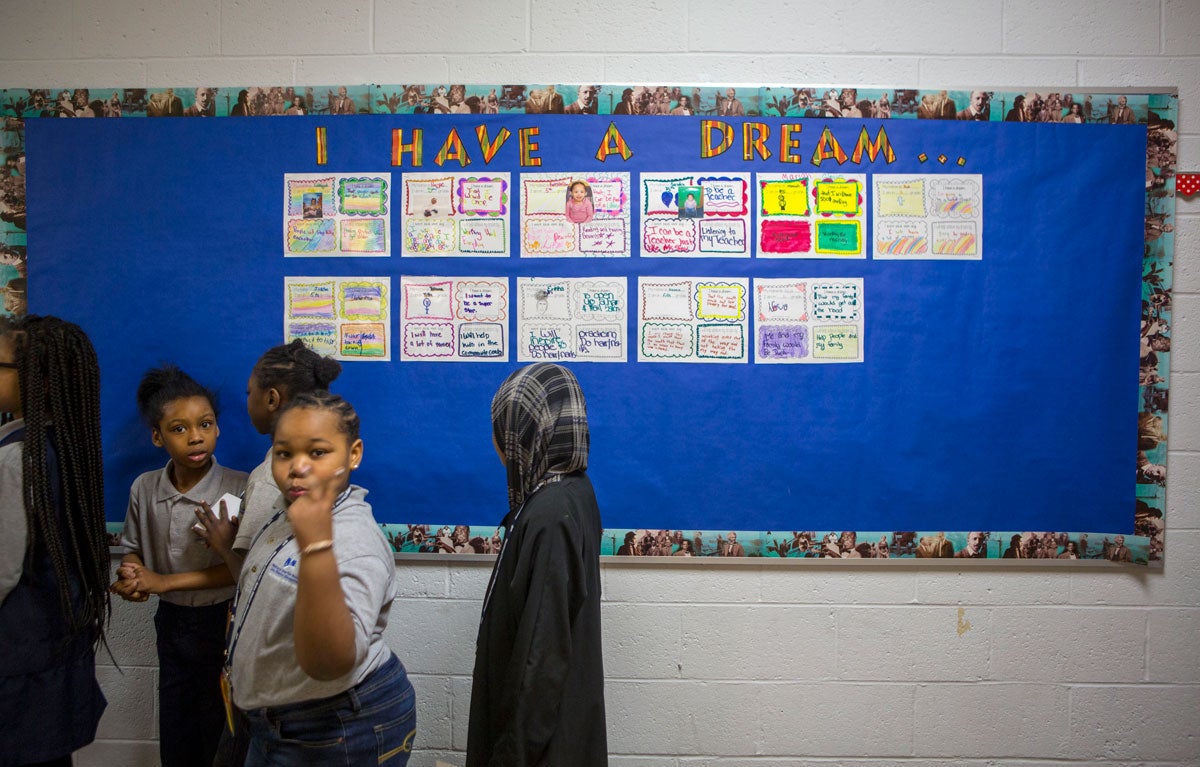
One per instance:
(294, 368)
(348, 422)
(59, 380)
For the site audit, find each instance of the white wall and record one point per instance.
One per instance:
(752, 664)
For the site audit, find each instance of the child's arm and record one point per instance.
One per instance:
(145, 581)
(131, 540)
(323, 628)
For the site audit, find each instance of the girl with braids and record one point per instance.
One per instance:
(166, 557)
(306, 659)
(282, 372)
(537, 696)
(53, 551)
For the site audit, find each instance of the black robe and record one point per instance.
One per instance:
(538, 691)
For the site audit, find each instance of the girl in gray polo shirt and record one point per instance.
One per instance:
(166, 557)
(306, 659)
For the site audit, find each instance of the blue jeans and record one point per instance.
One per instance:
(372, 723)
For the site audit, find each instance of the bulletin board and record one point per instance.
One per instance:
(983, 379)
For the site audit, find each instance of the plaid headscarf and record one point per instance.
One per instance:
(539, 420)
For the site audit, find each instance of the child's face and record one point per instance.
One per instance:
(10, 387)
(310, 451)
(188, 432)
(578, 192)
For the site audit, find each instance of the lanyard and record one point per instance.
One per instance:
(232, 635)
(234, 631)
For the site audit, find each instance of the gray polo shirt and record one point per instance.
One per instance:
(258, 504)
(12, 512)
(263, 664)
(158, 527)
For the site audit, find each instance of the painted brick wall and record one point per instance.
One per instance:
(753, 663)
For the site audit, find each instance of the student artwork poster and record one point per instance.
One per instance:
(695, 215)
(808, 320)
(347, 318)
(929, 217)
(454, 319)
(571, 319)
(337, 214)
(811, 215)
(455, 214)
(683, 319)
(575, 215)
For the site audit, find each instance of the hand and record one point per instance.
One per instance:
(127, 589)
(137, 579)
(311, 514)
(219, 531)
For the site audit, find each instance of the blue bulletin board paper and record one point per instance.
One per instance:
(995, 394)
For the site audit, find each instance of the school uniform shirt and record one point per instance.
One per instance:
(158, 527)
(12, 511)
(538, 691)
(262, 647)
(258, 504)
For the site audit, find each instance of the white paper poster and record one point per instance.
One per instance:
(693, 319)
(337, 214)
(454, 319)
(347, 318)
(938, 217)
(575, 215)
(808, 320)
(455, 214)
(695, 215)
(581, 319)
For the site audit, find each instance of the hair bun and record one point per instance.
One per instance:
(326, 370)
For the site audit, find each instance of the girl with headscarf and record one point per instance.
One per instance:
(538, 691)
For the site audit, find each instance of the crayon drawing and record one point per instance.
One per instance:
(937, 217)
(810, 215)
(336, 214)
(455, 214)
(347, 318)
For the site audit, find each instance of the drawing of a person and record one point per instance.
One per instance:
(580, 207)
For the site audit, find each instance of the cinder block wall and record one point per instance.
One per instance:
(751, 664)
